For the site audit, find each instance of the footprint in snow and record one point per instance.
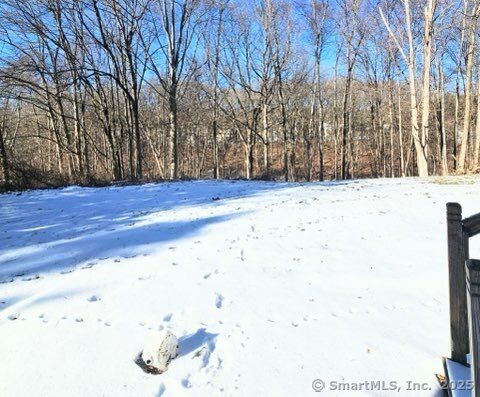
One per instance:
(13, 316)
(186, 382)
(168, 317)
(161, 390)
(219, 301)
(93, 298)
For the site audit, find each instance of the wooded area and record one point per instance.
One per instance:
(93, 91)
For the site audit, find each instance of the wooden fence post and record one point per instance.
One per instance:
(473, 300)
(457, 255)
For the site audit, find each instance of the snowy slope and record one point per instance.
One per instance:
(269, 288)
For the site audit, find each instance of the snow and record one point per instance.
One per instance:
(459, 375)
(269, 288)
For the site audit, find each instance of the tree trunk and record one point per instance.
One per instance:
(3, 153)
(392, 128)
(216, 172)
(427, 56)
(173, 135)
(442, 133)
(468, 91)
(345, 124)
(476, 149)
(266, 142)
(400, 133)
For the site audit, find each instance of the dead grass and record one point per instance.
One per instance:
(456, 180)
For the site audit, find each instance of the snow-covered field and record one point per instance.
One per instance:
(268, 288)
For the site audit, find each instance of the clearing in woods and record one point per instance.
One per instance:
(268, 286)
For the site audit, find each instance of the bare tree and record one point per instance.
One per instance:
(174, 24)
(98, 90)
(419, 131)
(473, 12)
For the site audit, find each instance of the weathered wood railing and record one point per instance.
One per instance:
(464, 276)
(473, 308)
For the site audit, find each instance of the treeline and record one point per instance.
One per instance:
(111, 90)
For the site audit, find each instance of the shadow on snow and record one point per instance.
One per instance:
(56, 230)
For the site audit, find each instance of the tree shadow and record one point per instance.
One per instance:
(12, 300)
(56, 230)
(18, 303)
(87, 249)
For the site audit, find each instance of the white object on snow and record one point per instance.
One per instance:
(160, 347)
